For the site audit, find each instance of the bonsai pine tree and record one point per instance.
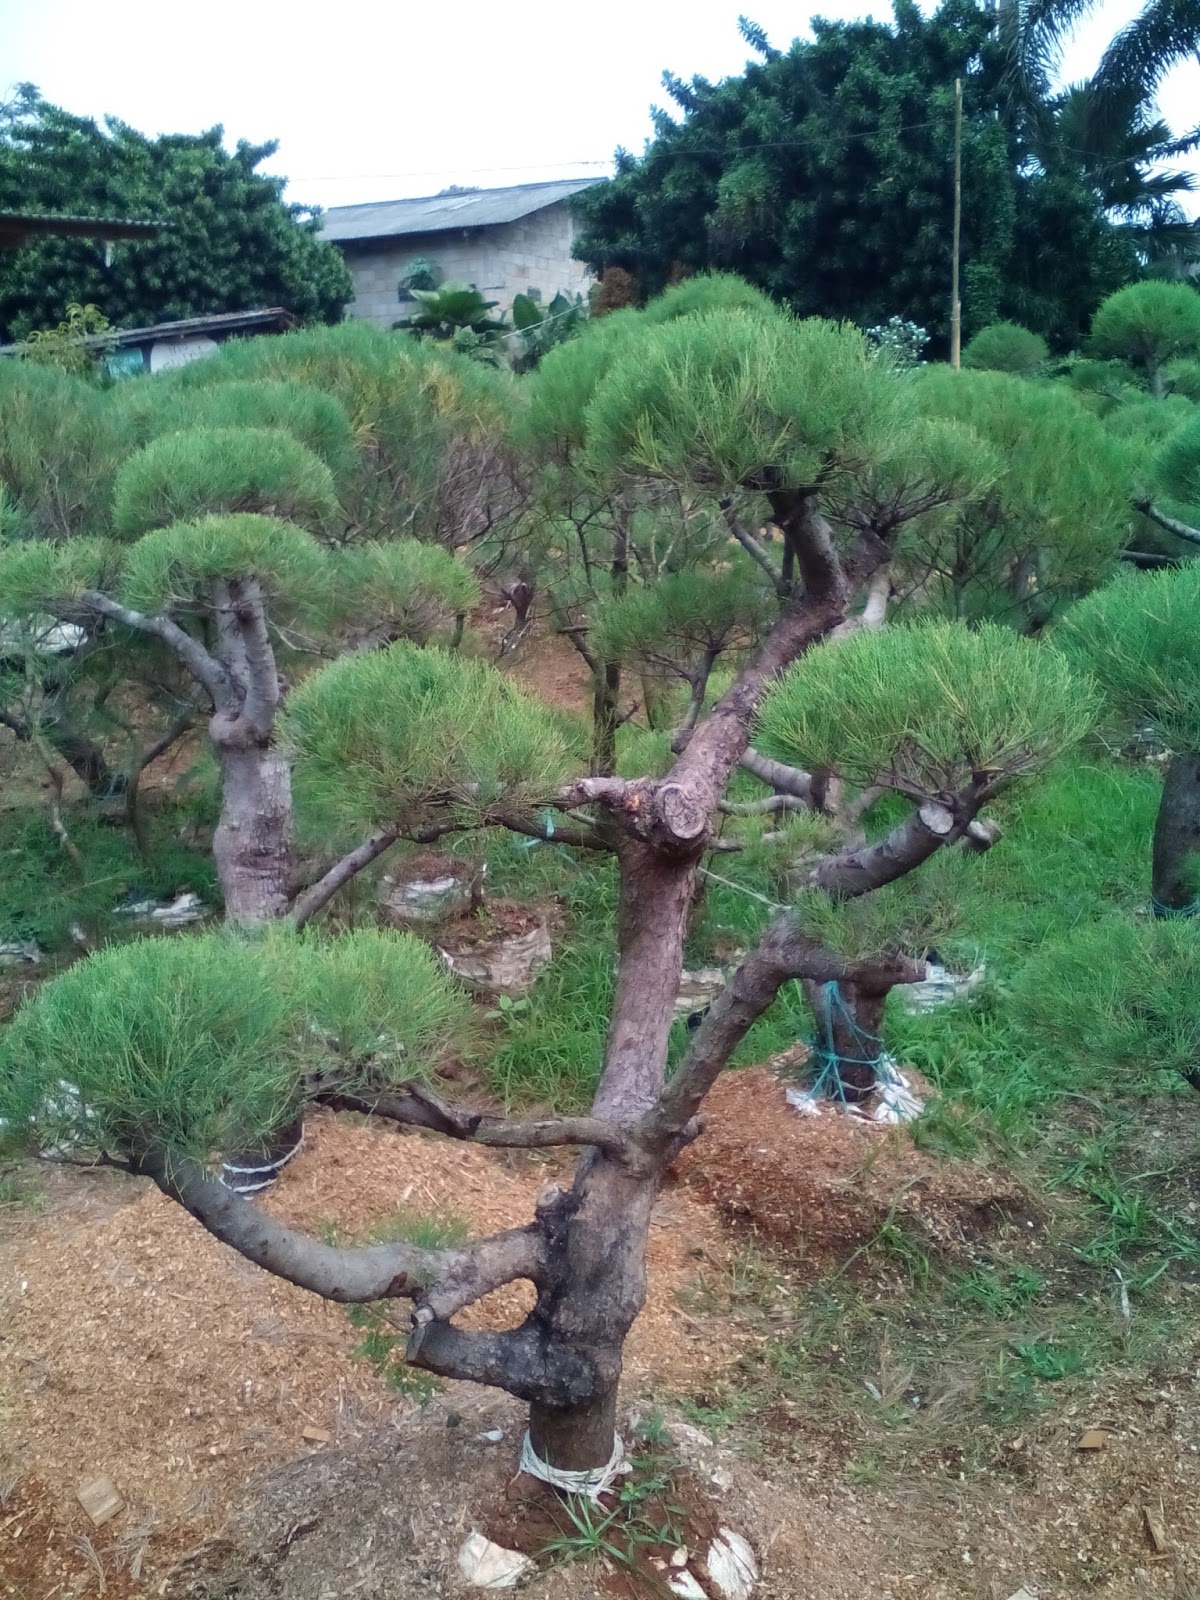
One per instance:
(1050, 511)
(1148, 325)
(207, 572)
(405, 741)
(1138, 635)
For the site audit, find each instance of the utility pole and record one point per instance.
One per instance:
(955, 302)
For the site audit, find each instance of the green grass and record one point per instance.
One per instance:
(42, 892)
(384, 1332)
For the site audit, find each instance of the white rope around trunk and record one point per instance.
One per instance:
(591, 1484)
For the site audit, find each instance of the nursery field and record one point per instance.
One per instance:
(702, 837)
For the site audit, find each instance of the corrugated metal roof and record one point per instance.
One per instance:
(442, 213)
(211, 322)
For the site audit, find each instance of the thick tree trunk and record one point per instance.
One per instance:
(596, 1285)
(252, 845)
(849, 1028)
(1176, 859)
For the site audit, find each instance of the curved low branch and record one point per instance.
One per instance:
(323, 890)
(523, 1361)
(851, 873)
(1182, 530)
(206, 669)
(444, 1280)
(415, 1106)
(784, 952)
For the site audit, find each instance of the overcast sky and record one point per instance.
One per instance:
(383, 98)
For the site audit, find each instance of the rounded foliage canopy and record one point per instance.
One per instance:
(383, 737)
(402, 587)
(39, 576)
(926, 708)
(1148, 323)
(318, 421)
(175, 566)
(726, 400)
(204, 471)
(709, 291)
(200, 1043)
(1177, 470)
(1138, 637)
(1062, 495)
(427, 422)
(1006, 347)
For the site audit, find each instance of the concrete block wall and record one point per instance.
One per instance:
(502, 262)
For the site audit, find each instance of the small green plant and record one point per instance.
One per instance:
(17, 1193)
(864, 1470)
(1050, 1362)
(383, 1345)
(1004, 1290)
(74, 345)
(589, 1535)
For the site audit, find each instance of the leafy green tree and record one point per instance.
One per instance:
(1105, 131)
(229, 241)
(822, 175)
(1138, 637)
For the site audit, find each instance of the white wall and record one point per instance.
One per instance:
(502, 262)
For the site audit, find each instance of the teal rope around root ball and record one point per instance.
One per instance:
(1162, 911)
(828, 1080)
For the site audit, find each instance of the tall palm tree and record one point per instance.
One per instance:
(1124, 150)
(1107, 128)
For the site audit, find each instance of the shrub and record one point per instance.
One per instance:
(211, 470)
(1006, 347)
(926, 707)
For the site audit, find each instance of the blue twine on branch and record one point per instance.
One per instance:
(828, 1079)
(528, 844)
(1161, 910)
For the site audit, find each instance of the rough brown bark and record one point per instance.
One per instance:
(252, 845)
(1176, 855)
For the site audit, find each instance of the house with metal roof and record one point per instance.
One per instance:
(501, 241)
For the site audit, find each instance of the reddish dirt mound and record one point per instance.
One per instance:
(819, 1187)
